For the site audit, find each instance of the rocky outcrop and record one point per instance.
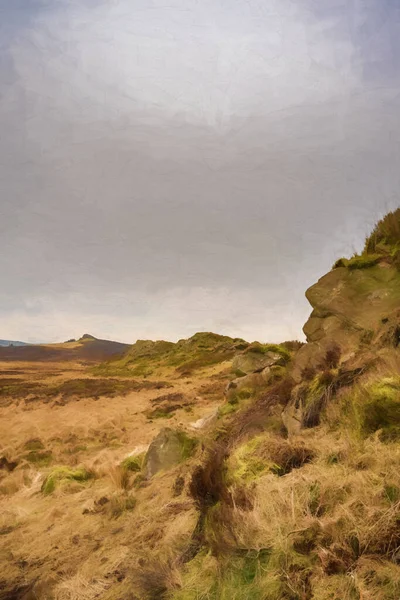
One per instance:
(355, 320)
(350, 307)
(253, 361)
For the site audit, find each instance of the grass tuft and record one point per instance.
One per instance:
(134, 463)
(63, 474)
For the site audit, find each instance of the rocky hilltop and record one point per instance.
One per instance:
(86, 348)
(275, 477)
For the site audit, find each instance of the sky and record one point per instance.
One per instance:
(182, 166)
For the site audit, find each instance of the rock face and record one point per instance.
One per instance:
(349, 306)
(355, 322)
(168, 449)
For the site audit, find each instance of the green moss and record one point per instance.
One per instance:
(244, 465)
(62, 474)
(380, 408)
(134, 463)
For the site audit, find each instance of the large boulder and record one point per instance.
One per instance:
(168, 449)
(254, 361)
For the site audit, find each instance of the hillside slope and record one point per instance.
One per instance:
(146, 357)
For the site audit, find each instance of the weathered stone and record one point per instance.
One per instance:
(253, 362)
(168, 449)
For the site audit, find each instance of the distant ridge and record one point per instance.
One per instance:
(87, 348)
(5, 343)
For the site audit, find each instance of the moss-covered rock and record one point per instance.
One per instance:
(168, 449)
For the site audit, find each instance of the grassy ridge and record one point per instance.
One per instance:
(147, 358)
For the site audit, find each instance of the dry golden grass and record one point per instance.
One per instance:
(84, 540)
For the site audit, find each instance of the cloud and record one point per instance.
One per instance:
(207, 62)
(207, 161)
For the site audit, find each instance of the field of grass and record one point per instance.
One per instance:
(74, 507)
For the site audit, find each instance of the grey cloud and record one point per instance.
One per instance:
(143, 195)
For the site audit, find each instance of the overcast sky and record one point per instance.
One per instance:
(170, 167)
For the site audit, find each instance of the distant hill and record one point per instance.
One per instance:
(202, 350)
(12, 343)
(87, 348)
(147, 357)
